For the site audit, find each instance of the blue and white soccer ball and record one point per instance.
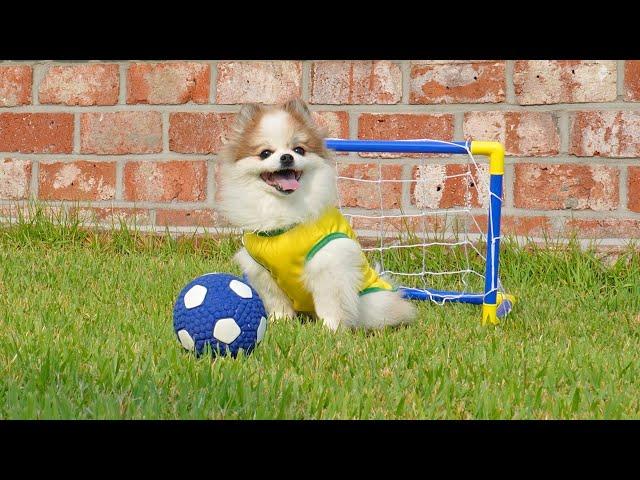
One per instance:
(219, 310)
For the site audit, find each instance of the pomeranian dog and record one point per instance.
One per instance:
(278, 185)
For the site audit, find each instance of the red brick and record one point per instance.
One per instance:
(80, 180)
(606, 134)
(392, 226)
(198, 132)
(10, 213)
(557, 187)
(367, 194)
(632, 80)
(26, 211)
(15, 85)
(15, 176)
(121, 132)
(189, 218)
(466, 82)
(604, 228)
(633, 189)
(522, 133)
(168, 83)
(534, 226)
(448, 186)
(36, 132)
(564, 81)
(183, 181)
(84, 84)
(356, 82)
(266, 82)
(115, 215)
(336, 123)
(403, 127)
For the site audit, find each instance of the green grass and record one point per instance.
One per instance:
(86, 332)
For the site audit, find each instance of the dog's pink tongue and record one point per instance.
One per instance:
(286, 179)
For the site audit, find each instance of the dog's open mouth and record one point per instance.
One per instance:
(286, 181)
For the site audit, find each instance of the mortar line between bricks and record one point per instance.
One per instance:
(467, 107)
(153, 227)
(611, 243)
(34, 88)
(564, 131)
(511, 160)
(39, 72)
(71, 157)
(620, 80)
(363, 108)
(213, 82)
(34, 181)
(456, 159)
(122, 82)
(165, 132)
(515, 212)
(121, 204)
(306, 81)
(509, 190)
(560, 223)
(119, 193)
(354, 119)
(507, 211)
(405, 193)
(405, 69)
(510, 94)
(458, 125)
(572, 160)
(211, 180)
(570, 214)
(16, 63)
(76, 133)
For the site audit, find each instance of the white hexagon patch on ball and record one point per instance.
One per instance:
(241, 289)
(261, 329)
(195, 296)
(226, 330)
(186, 340)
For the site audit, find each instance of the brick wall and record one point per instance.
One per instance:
(138, 140)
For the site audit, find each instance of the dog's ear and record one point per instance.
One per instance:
(246, 114)
(243, 120)
(298, 106)
(317, 133)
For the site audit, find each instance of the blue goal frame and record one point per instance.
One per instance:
(495, 304)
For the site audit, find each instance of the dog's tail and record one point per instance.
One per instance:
(384, 308)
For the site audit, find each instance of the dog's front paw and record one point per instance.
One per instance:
(282, 311)
(332, 324)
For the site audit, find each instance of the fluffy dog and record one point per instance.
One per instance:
(279, 186)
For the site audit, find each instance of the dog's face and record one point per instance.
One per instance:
(275, 167)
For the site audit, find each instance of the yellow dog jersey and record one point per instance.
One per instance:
(285, 252)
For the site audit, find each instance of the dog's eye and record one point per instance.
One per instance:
(299, 150)
(265, 154)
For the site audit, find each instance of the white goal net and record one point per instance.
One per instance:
(421, 218)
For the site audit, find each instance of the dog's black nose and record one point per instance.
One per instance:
(286, 160)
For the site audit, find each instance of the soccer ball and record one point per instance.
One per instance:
(219, 310)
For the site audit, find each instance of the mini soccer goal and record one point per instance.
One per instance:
(433, 221)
